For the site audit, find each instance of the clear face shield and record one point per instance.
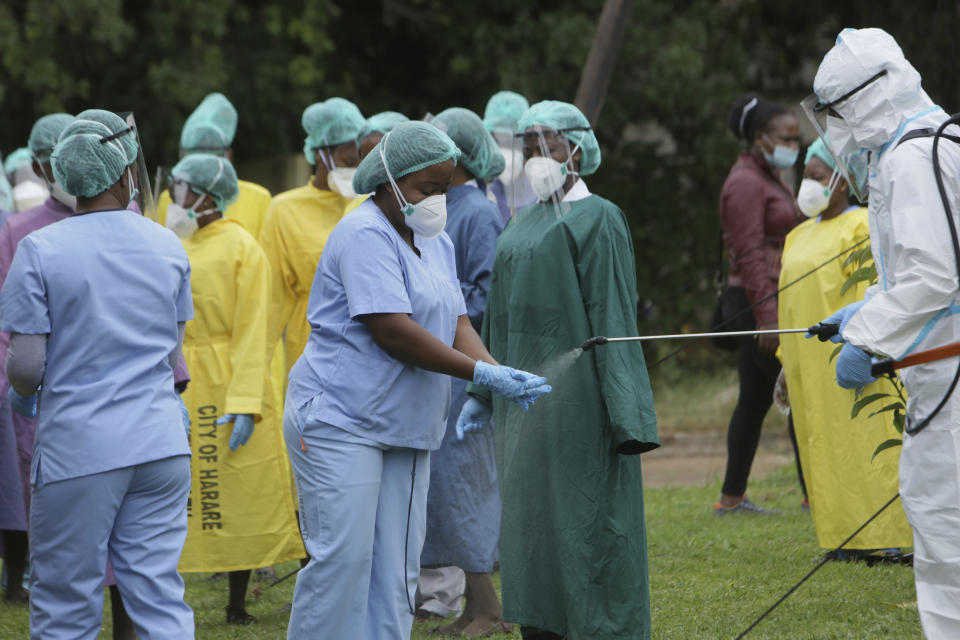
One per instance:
(144, 201)
(837, 135)
(548, 166)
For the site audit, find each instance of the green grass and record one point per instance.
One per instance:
(710, 577)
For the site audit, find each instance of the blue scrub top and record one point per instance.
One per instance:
(366, 267)
(109, 288)
(473, 224)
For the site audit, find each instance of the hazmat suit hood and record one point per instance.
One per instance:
(876, 114)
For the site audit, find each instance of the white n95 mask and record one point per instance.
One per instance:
(813, 198)
(182, 222)
(428, 217)
(546, 176)
(58, 193)
(340, 180)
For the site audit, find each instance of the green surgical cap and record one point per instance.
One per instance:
(562, 116)
(382, 122)
(84, 161)
(17, 159)
(43, 136)
(330, 123)
(855, 163)
(210, 174)
(410, 146)
(819, 150)
(504, 110)
(479, 151)
(211, 127)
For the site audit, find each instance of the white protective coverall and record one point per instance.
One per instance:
(914, 306)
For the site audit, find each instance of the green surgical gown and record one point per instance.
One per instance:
(573, 539)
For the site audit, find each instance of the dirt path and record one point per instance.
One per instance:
(699, 458)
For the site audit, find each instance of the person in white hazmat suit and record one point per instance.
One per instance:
(869, 97)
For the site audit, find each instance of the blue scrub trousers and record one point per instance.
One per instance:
(135, 516)
(363, 521)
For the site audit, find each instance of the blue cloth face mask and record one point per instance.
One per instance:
(782, 156)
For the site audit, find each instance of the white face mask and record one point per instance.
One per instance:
(428, 217)
(547, 176)
(813, 198)
(180, 220)
(514, 165)
(340, 180)
(58, 193)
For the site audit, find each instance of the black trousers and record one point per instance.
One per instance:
(758, 375)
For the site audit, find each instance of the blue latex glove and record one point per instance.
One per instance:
(184, 414)
(841, 317)
(519, 386)
(474, 416)
(853, 367)
(242, 428)
(24, 405)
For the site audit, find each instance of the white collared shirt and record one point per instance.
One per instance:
(578, 191)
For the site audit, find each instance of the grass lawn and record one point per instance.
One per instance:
(710, 577)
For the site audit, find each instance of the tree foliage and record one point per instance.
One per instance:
(666, 150)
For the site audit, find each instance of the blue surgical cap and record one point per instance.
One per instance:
(408, 147)
(504, 110)
(44, 134)
(382, 122)
(93, 152)
(330, 123)
(210, 174)
(211, 127)
(569, 121)
(480, 154)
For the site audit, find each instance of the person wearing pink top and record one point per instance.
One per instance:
(757, 210)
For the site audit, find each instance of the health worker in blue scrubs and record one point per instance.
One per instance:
(96, 305)
(369, 398)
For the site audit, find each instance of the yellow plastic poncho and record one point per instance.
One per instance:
(298, 224)
(844, 486)
(241, 511)
(249, 210)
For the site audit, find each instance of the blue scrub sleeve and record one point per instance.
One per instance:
(23, 301)
(372, 275)
(478, 265)
(184, 296)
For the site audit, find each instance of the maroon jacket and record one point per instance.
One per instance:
(756, 212)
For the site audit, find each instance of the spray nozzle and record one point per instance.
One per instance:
(595, 341)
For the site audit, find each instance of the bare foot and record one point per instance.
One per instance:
(455, 627)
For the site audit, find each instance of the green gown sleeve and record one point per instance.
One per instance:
(607, 273)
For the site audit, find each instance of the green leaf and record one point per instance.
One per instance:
(886, 444)
(890, 407)
(866, 400)
(898, 420)
(835, 352)
(863, 274)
